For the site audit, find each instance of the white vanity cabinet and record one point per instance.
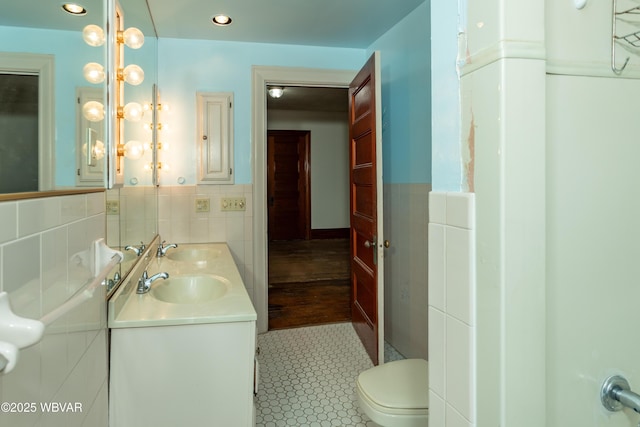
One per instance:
(189, 362)
(186, 375)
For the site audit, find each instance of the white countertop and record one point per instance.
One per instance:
(127, 309)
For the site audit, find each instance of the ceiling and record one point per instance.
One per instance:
(328, 23)
(331, 23)
(299, 98)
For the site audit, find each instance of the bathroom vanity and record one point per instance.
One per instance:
(183, 352)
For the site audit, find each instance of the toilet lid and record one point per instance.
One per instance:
(402, 384)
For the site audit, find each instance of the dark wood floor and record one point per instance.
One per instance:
(309, 282)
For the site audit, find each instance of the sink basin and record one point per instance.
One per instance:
(193, 255)
(190, 289)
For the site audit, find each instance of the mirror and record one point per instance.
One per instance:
(31, 30)
(42, 41)
(132, 208)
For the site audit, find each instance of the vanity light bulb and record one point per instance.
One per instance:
(133, 150)
(93, 72)
(93, 111)
(133, 38)
(98, 150)
(133, 74)
(93, 35)
(133, 112)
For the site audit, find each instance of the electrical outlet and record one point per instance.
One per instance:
(113, 207)
(233, 203)
(202, 205)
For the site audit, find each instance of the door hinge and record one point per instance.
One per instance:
(230, 171)
(78, 171)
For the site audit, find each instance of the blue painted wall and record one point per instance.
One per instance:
(189, 66)
(71, 54)
(446, 120)
(406, 99)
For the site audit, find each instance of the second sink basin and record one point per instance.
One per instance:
(190, 289)
(193, 255)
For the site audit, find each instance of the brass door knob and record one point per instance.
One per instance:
(386, 244)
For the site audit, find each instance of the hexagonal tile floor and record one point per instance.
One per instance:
(308, 377)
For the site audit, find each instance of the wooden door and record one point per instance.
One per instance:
(288, 180)
(365, 160)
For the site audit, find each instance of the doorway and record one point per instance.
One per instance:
(288, 183)
(27, 78)
(307, 206)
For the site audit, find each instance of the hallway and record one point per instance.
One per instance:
(309, 282)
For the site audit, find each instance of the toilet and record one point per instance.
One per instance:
(396, 394)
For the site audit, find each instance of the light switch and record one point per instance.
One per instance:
(202, 205)
(233, 203)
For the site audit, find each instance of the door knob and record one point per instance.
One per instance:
(387, 244)
(367, 244)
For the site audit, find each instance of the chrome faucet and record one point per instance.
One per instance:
(144, 283)
(162, 250)
(138, 251)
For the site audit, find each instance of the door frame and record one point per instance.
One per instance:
(261, 77)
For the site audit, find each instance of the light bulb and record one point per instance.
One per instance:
(93, 111)
(133, 112)
(164, 107)
(98, 150)
(93, 72)
(93, 35)
(133, 38)
(133, 150)
(133, 74)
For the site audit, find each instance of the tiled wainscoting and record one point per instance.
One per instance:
(44, 247)
(180, 223)
(406, 209)
(134, 219)
(452, 310)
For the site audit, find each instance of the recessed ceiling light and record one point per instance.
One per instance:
(74, 9)
(221, 20)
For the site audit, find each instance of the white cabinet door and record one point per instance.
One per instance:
(215, 138)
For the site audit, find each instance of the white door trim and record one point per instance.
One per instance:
(261, 77)
(41, 65)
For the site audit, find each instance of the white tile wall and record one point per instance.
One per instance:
(180, 223)
(44, 247)
(452, 309)
(405, 270)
